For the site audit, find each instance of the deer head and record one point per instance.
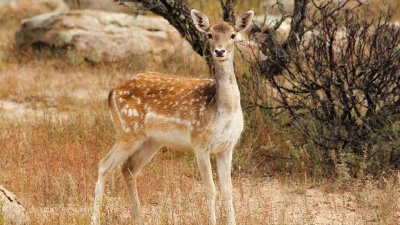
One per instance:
(221, 35)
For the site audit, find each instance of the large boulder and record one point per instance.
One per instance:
(101, 36)
(9, 2)
(12, 211)
(35, 7)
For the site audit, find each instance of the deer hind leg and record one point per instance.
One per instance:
(131, 169)
(224, 161)
(118, 154)
(204, 163)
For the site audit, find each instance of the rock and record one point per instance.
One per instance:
(8, 2)
(36, 7)
(12, 211)
(101, 36)
(106, 5)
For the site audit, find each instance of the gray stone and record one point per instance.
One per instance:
(37, 5)
(12, 211)
(9, 2)
(102, 36)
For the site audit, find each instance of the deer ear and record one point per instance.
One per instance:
(243, 21)
(200, 20)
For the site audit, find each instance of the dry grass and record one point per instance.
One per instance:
(55, 127)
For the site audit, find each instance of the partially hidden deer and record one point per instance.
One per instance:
(152, 110)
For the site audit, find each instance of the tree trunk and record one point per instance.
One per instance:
(228, 10)
(178, 15)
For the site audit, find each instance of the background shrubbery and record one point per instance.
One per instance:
(336, 90)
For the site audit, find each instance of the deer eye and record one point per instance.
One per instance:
(233, 36)
(209, 36)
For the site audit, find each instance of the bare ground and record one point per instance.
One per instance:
(256, 202)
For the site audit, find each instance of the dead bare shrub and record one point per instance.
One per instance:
(339, 83)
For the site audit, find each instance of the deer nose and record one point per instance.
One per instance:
(219, 53)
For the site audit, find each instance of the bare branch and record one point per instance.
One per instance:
(342, 85)
(228, 10)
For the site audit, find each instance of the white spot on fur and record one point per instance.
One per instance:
(137, 99)
(121, 120)
(202, 108)
(124, 111)
(132, 112)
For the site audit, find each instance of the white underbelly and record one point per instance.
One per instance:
(171, 138)
(168, 131)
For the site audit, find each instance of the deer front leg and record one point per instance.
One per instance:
(224, 161)
(203, 161)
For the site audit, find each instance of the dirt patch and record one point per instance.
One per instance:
(256, 202)
(16, 111)
(286, 204)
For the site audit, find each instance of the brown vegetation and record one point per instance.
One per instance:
(55, 127)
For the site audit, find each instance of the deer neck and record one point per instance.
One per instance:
(228, 95)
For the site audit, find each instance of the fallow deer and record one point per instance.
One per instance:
(151, 110)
